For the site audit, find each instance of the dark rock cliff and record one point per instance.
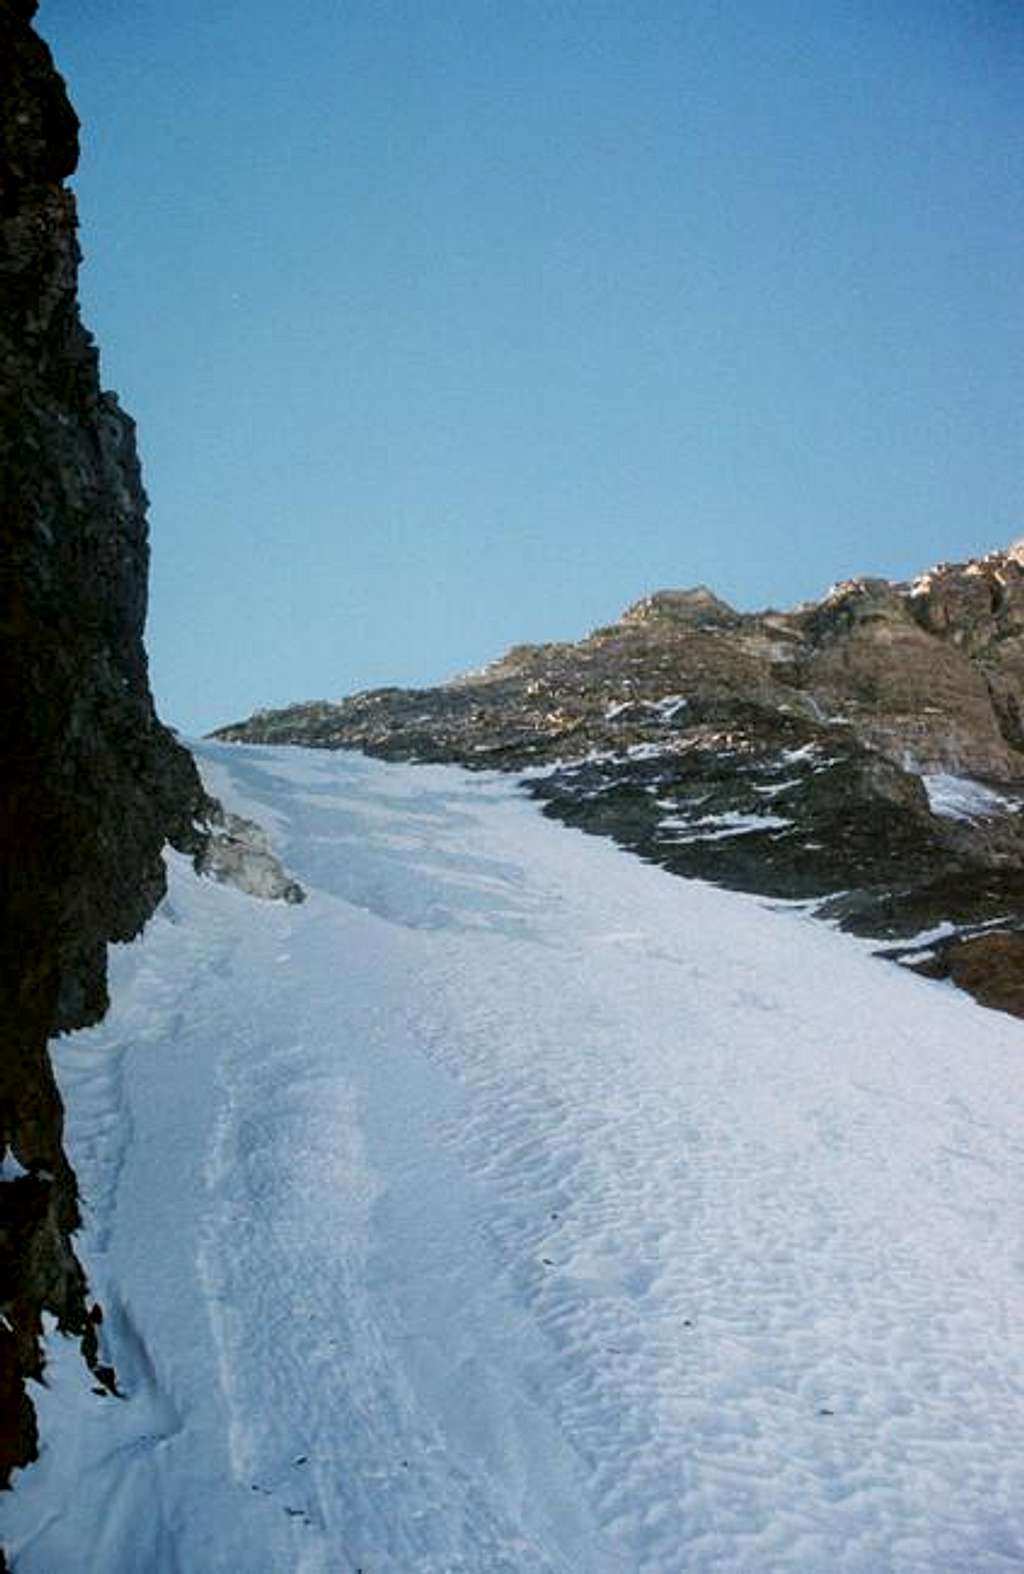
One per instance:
(92, 785)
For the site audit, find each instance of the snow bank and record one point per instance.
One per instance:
(514, 1206)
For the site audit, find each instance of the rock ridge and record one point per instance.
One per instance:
(863, 753)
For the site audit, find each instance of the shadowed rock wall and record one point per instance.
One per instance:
(92, 785)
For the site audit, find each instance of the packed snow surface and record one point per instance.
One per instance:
(514, 1206)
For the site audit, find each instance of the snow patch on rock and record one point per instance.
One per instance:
(961, 798)
(238, 853)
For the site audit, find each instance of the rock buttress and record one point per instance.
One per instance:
(92, 785)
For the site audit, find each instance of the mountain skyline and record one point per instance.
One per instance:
(483, 1197)
(452, 326)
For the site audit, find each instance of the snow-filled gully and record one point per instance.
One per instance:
(514, 1206)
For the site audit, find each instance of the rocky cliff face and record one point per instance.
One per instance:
(92, 784)
(864, 753)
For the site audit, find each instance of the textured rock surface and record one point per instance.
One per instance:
(928, 673)
(781, 752)
(92, 785)
(238, 853)
(989, 966)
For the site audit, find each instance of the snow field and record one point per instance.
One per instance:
(513, 1206)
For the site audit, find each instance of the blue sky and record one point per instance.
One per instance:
(454, 324)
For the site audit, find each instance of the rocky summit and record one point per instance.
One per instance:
(863, 754)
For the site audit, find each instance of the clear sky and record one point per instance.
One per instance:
(457, 323)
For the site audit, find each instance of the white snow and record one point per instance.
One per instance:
(775, 788)
(961, 798)
(665, 709)
(809, 751)
(806, 751)
(669, 705)
(645, 751)
(11, 1169)
(719, 827)
(514, 1206)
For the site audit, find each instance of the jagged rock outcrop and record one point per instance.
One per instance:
(92, 785)
(697, 607)
(928, 673)
(864, 753)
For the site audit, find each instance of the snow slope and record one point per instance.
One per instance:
(514, 1206)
